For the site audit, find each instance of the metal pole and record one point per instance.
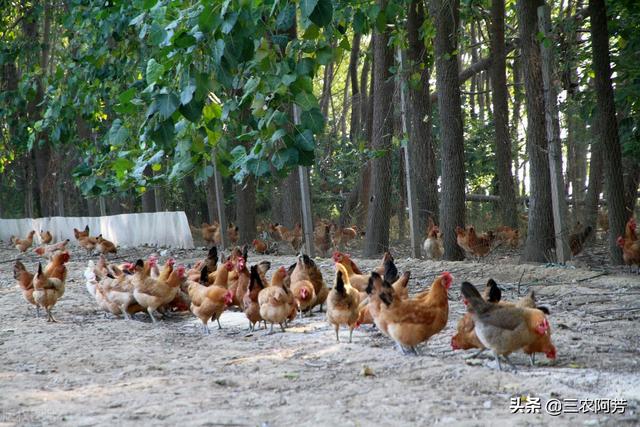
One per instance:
(222, 219)
(410, 184)
(563, 254)
(305, 198)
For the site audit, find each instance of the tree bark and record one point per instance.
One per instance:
(515, 119)
(378, 215)
(421, 153)
(608, 126)
(354, 128)
(590, 212)
(452, 205)
(501, 117)
(246, 210)
(540, 236)
(631, 181)
(148, 197)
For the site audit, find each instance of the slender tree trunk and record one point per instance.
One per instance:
(326, 89)
(608, 126)
(421, 152)
(540, 237)
(246, 210)
(516, 117)
(354, 128)
(148, 197)
(210, 191)
(590, 212)
(378, 215)
(506, 190)
(631, 181)
(452, 206)
(473, 89)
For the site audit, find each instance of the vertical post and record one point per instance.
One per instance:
(559, 207)
(305, 198)
(103, 206)
(410, 184)
(222, 219)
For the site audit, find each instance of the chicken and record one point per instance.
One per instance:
(492, 292)
(630, 251)
(432, 245)
(508, 235)
(294, 237)
(234, 233)
(503, 328)
(56, 268)
(342, 303)
(209, 232)
(23, 244)
(276, 301)
(303, 291)
(47, 291)
(260, 246)
(410, 322)
(25, 282)
(250, 299)
(88, 243)
(80, 234)
(48, 251)
(465, 337)
(630, 230)
(387, 268)
(343, 235)
(322, 238)
(263, 267)
(209, 302)
(401, 285)
(154, 293)
(113, 292)
(479, 245)
(211, 262)
(319, 286)
(358, 281)
(104, 246)
(45, 237)
(603, 221)
(578, 238)
(241, 285)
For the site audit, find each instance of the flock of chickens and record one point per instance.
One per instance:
(379, 297)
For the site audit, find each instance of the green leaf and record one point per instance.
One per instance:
(305, 141)
(277, 135)
(287, 79)
(324, 55)
(212, 111)
(286, 17)
(284, 157)
(118, 134)
(312, 120)
(154, 71)
(359, 22)
(187, 94)
(257, 167)
(192, 111)
(229, 22)
(305, 67)
(307, 7)
(209, 18)
(306, 101)
(322, 13)
(167, 104)
(312, 32)
(127, 95)
(164, 133)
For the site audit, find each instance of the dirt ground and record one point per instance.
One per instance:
(94, 369)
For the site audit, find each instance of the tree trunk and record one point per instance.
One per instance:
(540, 237)
(452, 206)
(608, 126)
(501, 117)
(246, 210)
(354, 128)
(148, 197)
(590, 213)
(378, 215)
(326, 89)
(473, 88)
(631, 181)
(421, 152)
(210, 191)
(516, 117)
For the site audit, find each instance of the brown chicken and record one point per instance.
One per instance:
(88, 243)
(104, 246)
(358, 281)
(276, 301)
(630, 252)
(410, 322)
(294, 237)
(508, 236)
(343, 235)
(322, 238)
(241, 285)
(342, 303)
(260, 246)
(432, 245)
(304, 294)
(25, 282)
(209, 232)
(23, 244)
(45, 237)
(211, 262)
(233, 232)
(56, 267)
(79, 234)
(504, 328)
(208, 302)
(47, 291)
(387, 268)
(48, 251)
(154, 293)
(578, 238)
(250, 300)
(479, 245)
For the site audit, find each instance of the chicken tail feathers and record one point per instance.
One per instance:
(474, 298)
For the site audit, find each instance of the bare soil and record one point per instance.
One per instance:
(95, 369)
